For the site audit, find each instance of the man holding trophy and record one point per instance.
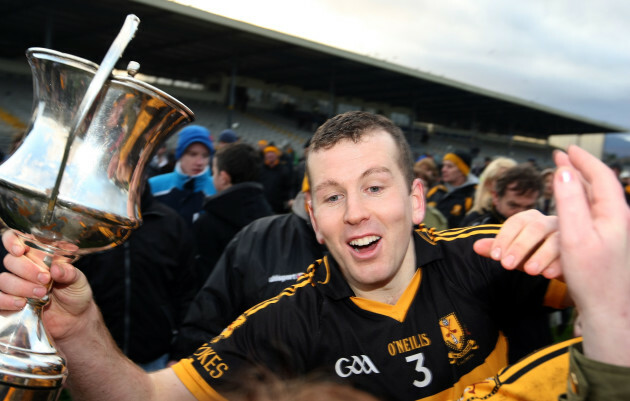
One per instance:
(592, 245)
(362, 203)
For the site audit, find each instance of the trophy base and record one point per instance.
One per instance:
(31, 369)
(11, 392)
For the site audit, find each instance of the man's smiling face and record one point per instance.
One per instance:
(363, 210)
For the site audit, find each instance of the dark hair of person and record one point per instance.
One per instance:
(522, 179)
(262, 385)
(354, 126)
(240, 160)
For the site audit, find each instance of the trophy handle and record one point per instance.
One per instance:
(115, 51)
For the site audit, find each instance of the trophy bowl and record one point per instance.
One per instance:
(73, 186)
(96, 205)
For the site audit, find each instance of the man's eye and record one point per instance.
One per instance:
(374, 189)
(333, 198)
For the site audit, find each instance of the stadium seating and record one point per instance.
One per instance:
(255, 124)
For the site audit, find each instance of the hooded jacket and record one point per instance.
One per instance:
(223, 215)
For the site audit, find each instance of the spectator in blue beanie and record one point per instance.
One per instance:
(186, 188)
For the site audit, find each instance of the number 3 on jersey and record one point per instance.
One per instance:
(419, 358)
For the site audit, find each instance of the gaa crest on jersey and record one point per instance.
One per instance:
(456, 339)
(355, 365)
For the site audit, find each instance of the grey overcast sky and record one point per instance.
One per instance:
(572, 55)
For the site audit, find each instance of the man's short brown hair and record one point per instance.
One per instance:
(353, 126)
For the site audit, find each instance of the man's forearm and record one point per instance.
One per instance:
(95, 363)
(606, 338)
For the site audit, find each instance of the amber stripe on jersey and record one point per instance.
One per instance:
(302, 281)
(449, 235)
(187, 373)
(432, 236)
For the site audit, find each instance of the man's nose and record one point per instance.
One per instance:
(356, 210)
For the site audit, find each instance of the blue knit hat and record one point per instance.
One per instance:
(193, 134)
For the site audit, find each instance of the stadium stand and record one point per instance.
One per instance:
(279, 66)
(16, 103)
(272, 125)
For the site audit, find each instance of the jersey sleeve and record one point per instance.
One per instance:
(194, 382)
(262, 336)
(507, 291)
(513, 292)
(556, 293)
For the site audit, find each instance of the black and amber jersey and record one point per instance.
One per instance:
(540, 376)
(443, 334)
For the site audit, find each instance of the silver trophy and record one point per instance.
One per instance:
(72, 187)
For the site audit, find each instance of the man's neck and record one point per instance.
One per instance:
(389, 293)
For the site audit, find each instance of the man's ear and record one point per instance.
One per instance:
(225, 178)
(495, 197)
(309, 206)
(417, 202)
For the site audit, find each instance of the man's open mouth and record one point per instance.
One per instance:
(365, 243)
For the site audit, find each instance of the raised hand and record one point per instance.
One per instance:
(594, 222)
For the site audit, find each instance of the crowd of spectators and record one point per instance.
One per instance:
(238, 264)
(226, 226)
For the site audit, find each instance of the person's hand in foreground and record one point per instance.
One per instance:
(594, 222)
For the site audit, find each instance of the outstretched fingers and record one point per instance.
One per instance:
(526, 241)
(575, 221)
(603, 190)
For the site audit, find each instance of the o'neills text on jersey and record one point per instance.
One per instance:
(408, 344)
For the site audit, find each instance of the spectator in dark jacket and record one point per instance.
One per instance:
(455, 197)
(239, 201)
(144, 286)
(275, 177)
